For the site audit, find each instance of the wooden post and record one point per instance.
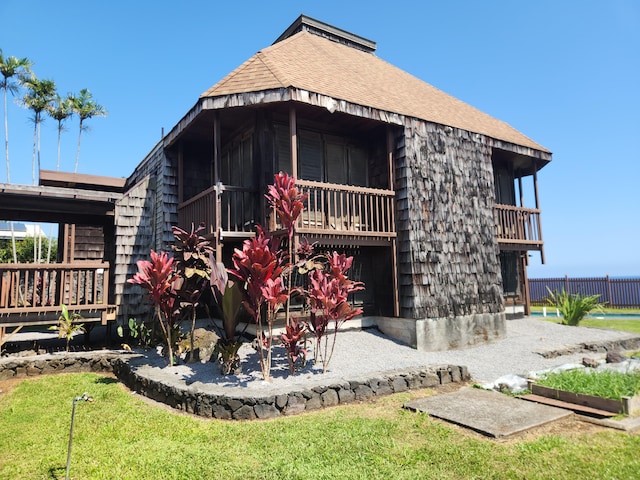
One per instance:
(527, 296)
(181, 174)
(394, 260)
(535, 193)
(520, 191)
(217, 204)
(293, 133)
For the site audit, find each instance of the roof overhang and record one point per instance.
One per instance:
(56, 204)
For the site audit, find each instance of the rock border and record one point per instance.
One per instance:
(631, 343)
(234, 407)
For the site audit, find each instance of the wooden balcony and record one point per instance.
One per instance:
(342, 213)
(33, 293)
(518, 228)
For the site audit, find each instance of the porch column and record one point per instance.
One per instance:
(525, 289)
(217, 207)
(293, 133)
(535, 194)
(394, 260)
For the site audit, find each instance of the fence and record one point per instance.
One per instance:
(615, 292)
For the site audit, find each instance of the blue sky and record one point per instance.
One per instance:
(565, 73)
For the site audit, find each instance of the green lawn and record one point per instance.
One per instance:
(631, 326)
(120, 436)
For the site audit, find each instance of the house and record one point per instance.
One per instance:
(418, 185)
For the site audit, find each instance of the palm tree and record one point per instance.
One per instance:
(40, 94)
(11, 67)
(85, 107)
(60, 110)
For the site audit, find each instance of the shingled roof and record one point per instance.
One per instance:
(310, 62)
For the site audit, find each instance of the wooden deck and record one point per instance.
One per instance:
(34, 293)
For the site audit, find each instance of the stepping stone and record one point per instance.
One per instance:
(490, 413)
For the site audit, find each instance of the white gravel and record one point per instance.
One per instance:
(367, 353)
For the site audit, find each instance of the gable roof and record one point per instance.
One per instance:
(309, 62)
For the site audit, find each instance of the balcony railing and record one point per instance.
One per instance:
(333, 209)
(330, 210)
(224, 208)
(35, 288)
(518, 225)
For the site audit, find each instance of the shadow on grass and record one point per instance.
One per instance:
(107, 380)
(56, 473)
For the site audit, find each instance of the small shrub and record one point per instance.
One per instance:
(67, 326)
(573, 306)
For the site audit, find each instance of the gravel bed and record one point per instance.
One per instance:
(366, 353)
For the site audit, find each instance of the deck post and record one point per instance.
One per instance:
(217, 204)
(535, 193)
(293, 133)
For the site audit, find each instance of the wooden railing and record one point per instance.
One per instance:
(43, 287)
(221, 207)
(346, 210)
(329, 209)
(518, 225)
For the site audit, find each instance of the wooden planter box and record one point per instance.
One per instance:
(625, 406)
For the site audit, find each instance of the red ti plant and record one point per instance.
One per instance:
(258, 267)
(328, 294)
(292, 338)
(157, 278)
(288, 202)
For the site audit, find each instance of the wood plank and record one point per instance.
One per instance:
(566, 405)
(591, 401)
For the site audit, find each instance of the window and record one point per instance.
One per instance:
(324, 158)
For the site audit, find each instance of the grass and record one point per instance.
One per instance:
(634, 311)
(603, 383)
(631, 326)
(121, 436)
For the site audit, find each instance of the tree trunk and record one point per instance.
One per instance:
(75, 170)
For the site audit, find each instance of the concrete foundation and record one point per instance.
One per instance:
(437, 334)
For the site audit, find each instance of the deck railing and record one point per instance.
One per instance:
(44, 287)
(330, 209)
(346, 210)
(518, 225)
(224, 207)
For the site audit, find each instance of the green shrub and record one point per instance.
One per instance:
(573, 306)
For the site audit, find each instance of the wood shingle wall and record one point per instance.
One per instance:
(447, 249)
(144, 217)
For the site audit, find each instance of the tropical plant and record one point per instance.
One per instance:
(67, 326)
(11, 67)
(191, 253)
(60, 110)
(228, 296)
(288, 202)
(292, 340)
(85, 107)
(329, 292)
(573, 306)
(138, 331)
(157, 277)
(40, 94)
(258, 267)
